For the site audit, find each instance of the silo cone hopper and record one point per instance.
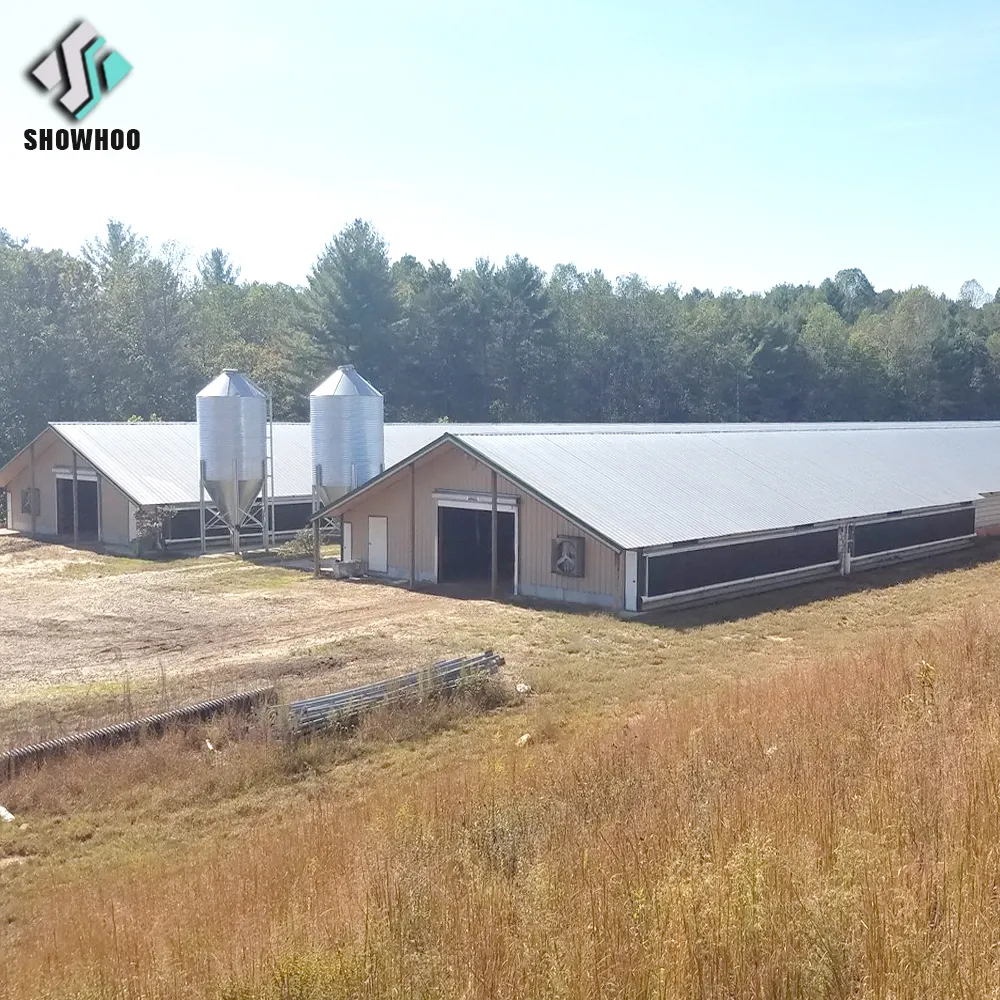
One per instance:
(232, 446)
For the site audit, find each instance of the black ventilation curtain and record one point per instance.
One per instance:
(185, 525)
(292, 516)
(902, 532)
(674, 572)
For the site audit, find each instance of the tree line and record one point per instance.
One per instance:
(121, 330)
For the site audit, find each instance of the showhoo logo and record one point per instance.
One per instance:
(73, 62)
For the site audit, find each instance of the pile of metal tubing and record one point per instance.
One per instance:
(344, 709)
(13, 761)
(300, 718)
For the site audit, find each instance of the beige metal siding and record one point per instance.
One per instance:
(449, 468)
(988, 515)
(114, 514)
(540, 526)
(52, 453)
(49, 453)
(393, 506)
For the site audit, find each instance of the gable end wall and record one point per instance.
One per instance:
(51, 453)
(450, 468)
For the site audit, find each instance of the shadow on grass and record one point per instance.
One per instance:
(789, 598)
(726, 610)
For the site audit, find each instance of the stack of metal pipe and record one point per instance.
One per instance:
(344, 708)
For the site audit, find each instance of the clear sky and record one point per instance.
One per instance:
(711, 144)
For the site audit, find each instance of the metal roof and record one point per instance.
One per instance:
(649, 485)
(647, 489)
(231, 382)
(639, 485)
(157, 463)
(345, 381)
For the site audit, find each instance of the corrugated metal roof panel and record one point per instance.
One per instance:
(345, 381)
(157, 463)
(639, 484)
(154, 463)
(643, 490)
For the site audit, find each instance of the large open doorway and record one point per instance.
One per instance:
(86, 491)
(465, 545)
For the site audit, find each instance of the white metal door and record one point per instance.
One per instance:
(346, 549)
(378, 545)
(631, 580)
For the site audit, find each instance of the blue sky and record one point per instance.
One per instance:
(709, 144)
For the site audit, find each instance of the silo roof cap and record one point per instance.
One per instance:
(345, 381)
(231, 383)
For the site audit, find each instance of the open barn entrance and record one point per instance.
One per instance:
(465, 545)
(86, 491)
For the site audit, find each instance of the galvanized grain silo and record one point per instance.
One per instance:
(232, 445)
(347, 432)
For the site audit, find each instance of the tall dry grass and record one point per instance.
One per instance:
(829, 831)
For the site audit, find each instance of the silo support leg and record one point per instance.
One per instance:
(237, 515)
(316, 559)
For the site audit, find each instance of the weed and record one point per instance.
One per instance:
(745, 819)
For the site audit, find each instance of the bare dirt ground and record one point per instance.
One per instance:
(87, 639)
(124, 635)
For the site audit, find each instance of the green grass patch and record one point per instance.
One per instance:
(103, 566)
(243, 576)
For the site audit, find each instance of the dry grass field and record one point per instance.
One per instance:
(778, 799)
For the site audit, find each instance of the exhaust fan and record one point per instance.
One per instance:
(567, 555)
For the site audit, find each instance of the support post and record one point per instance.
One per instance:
(237, 513)
(316, 560)
(493, 535)
(263, 509)
(34, 494)
(845, 547)
(201, 503)
(269, 472)
(100, 510)
(619, 589)
(317, 494)
(76, 503)
(518, 548)
(413, 524)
